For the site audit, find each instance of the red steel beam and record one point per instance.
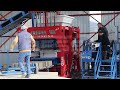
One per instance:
(5, 15)
(46, 22)
(91, 16)
(2, 16)
(58, 12)
(108, 21)
(8, 38)
(88, 33)
(95, 14)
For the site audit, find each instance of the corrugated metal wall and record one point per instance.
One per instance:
(114, 26)
(80, 21)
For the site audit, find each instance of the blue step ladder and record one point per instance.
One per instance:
(14, 21)
(107, 69)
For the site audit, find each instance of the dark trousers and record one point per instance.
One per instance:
(105, 52)
(105, 55)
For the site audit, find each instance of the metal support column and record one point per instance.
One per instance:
(33, 15)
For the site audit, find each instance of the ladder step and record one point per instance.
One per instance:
(103, 77)
(105, 60)
(88, 76)
(104, 71)
(105, 65)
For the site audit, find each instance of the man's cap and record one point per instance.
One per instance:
(24, 27)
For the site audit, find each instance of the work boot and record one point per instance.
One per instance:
(23, 75)
(27, 76)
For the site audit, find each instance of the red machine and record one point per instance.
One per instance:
(63, 38)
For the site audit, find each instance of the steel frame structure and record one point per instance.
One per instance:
(62, 55)
(95, 14)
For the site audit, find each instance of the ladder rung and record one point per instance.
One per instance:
(104, 77)
(105, 60)
(88, 76)
(105, 65)
(105, 71)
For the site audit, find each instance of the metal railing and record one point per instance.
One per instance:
(113, 62)
(97, 61)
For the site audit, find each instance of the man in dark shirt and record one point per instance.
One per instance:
(103, 38)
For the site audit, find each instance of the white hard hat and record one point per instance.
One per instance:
(24, 27)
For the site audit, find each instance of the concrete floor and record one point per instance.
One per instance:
(40, 75)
